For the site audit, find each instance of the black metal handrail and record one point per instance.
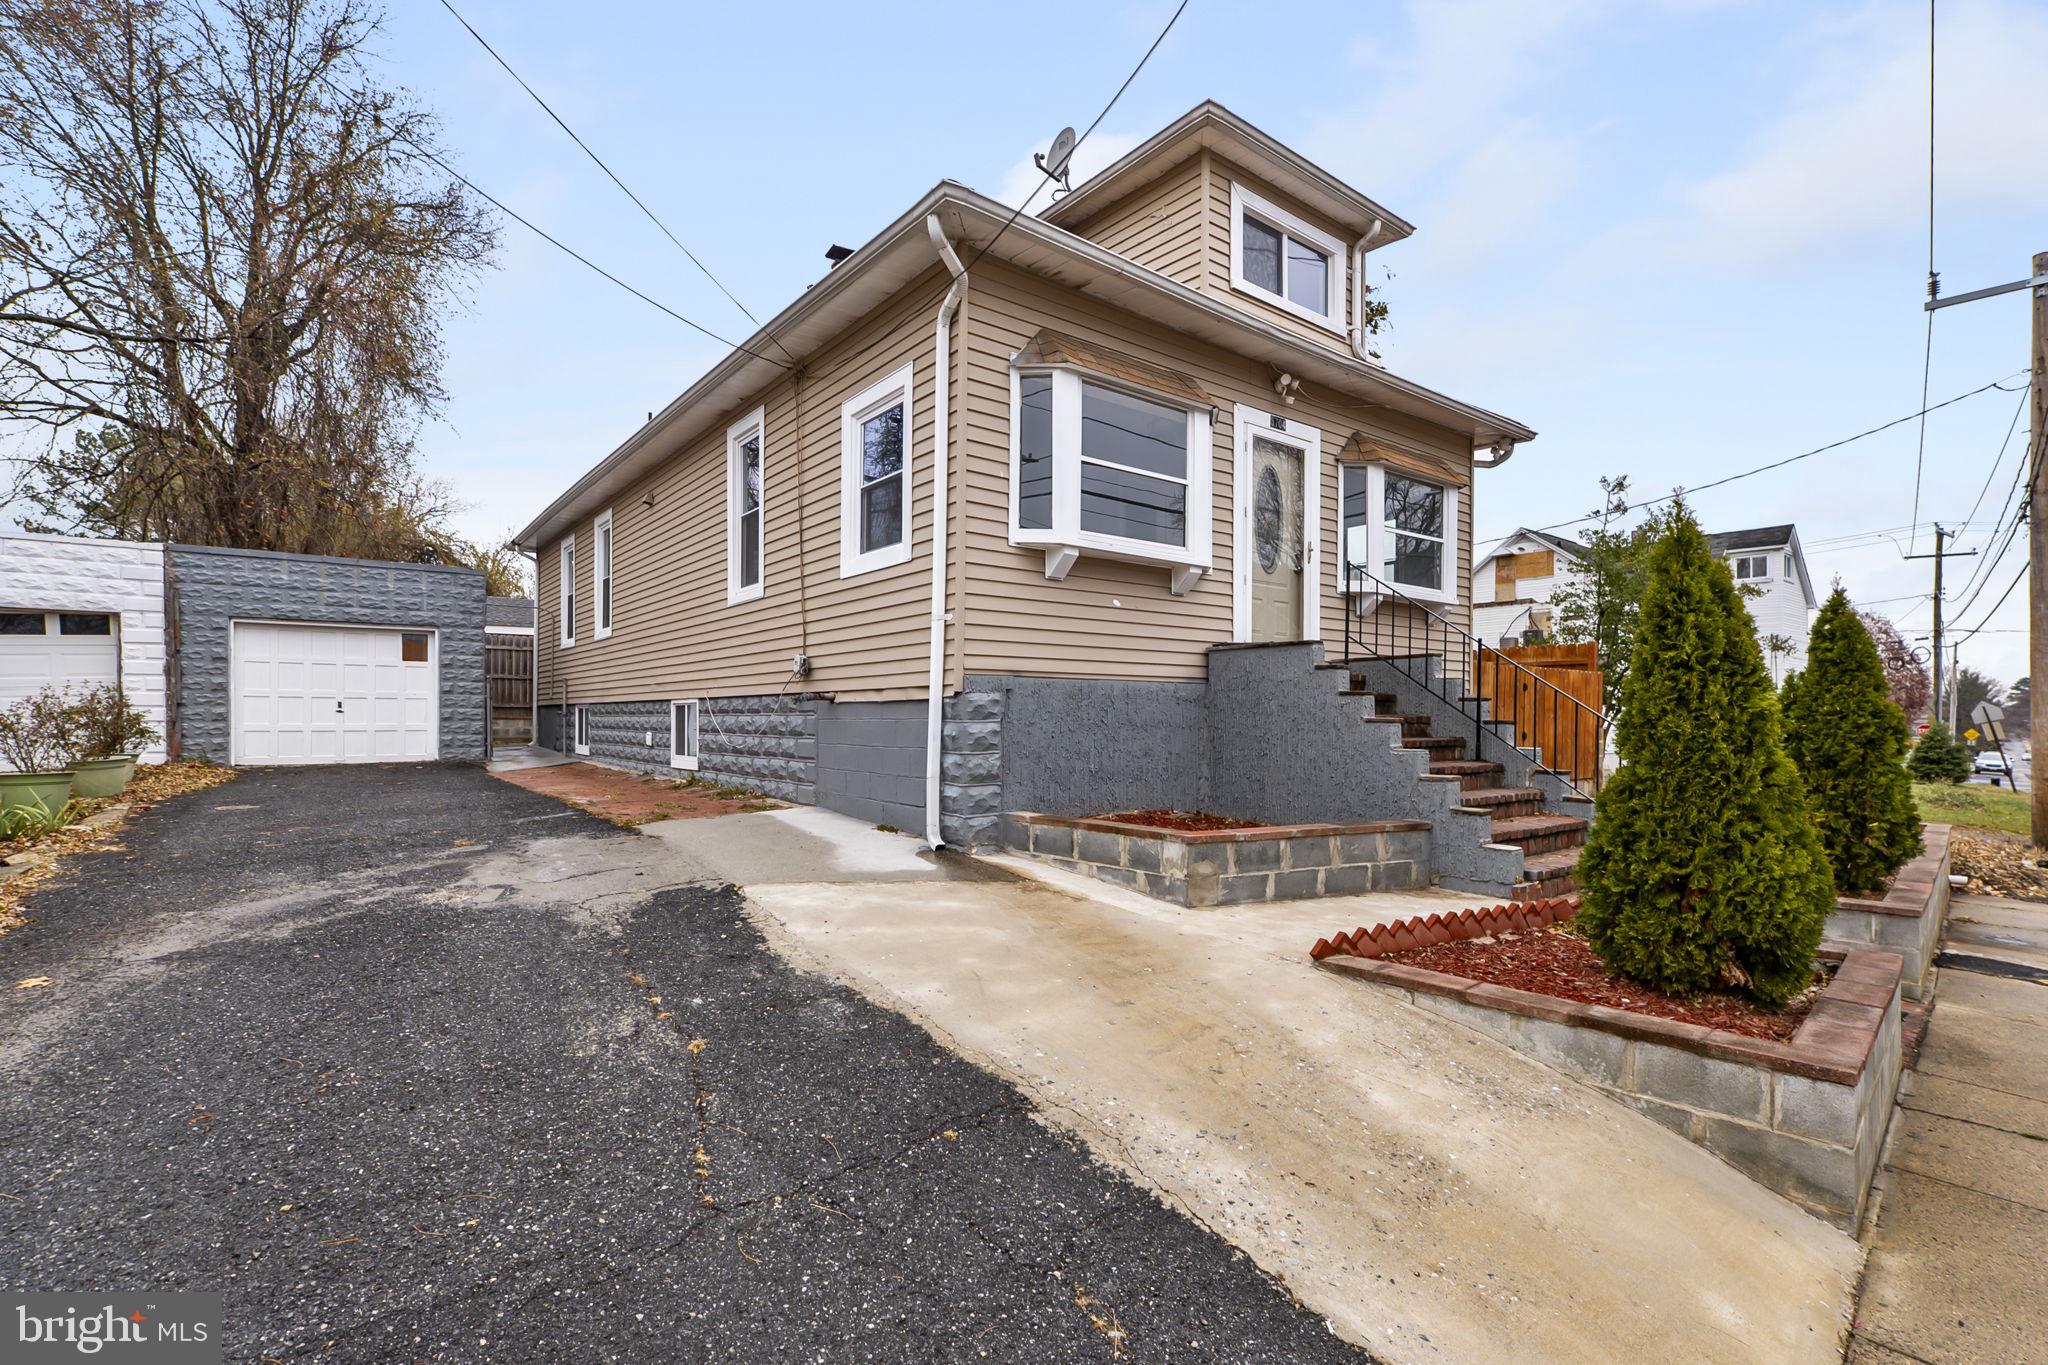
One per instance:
(1409, 638)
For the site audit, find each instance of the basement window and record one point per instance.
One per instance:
(682, 735)
(580, 719)
(1108, 469)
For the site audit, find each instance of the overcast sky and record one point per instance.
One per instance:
(1679, 239)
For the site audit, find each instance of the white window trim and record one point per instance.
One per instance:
(687, 764)
(1064, 542)
(884, 393)
(565, 591)
(1738, 561)
(1243, 200)
(579, 729)
(1375, 545)
(604, 595)
(754, 424)
(1248, 422)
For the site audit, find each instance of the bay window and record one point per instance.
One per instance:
(1107, 469)
(1401, 529)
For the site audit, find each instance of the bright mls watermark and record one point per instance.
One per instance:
(164, 1329)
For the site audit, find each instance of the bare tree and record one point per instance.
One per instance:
(224, 251)
(1904, 675)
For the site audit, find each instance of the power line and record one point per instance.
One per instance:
(2018, 578)
(1998, 460)
(1775, 464)
(557, 242)
(623, 187)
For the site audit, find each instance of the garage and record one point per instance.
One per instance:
(307, 693)
(41, 649)
(302, 659)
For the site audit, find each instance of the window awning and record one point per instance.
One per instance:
(1057, 348)
(1363, 449)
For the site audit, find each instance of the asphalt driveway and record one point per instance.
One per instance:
(414, 1064)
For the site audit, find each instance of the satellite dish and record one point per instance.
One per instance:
(1054, 160)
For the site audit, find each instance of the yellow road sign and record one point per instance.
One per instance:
(1970, 735)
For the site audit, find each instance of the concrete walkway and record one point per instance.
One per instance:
(1961, 1237)
(1435, 1195)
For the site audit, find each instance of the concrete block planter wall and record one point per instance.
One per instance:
(1805, 1117)
(1232, 866)
(1907, 919)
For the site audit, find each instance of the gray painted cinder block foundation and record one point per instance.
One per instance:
(210, 588)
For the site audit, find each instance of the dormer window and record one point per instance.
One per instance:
(1276, 257)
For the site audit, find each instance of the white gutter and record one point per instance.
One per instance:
(935, 700)
(1358, 291)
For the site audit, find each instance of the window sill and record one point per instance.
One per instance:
(600, 635)
(1063, 553)
(685, 764)
(1287, 306)
(1438, 596)
(851, 566)
(735, 596)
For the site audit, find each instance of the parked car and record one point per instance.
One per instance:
(1992, 761)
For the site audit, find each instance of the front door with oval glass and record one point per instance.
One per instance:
(1279, 548)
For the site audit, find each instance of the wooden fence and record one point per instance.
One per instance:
(508, 666)
(1562, 724)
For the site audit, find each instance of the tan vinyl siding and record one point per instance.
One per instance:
(1110, 619)
(1160, 226)
(1221, 174)
(673, 634)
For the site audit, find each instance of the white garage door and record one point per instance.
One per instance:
(42, 648)
(335, 694)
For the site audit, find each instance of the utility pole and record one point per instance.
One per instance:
(2037, 550)
(2036, 285)
(1940, 538)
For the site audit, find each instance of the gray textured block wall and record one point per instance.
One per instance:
(210, 588)
(1083, 746)
(765, 744)
(871, 761)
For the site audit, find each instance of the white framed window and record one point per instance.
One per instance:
(746, 517)
(601, 532)
(1748, 567)
(874, 476)
(1098, 468)
(1401, 529)
(682, 735)
(565, 600)
(579, 736)
(1788, 567)
(1277, 257)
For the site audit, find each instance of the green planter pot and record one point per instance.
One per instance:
(101, 776)
(29, 790)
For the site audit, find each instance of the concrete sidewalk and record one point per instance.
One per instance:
(1961, 1236)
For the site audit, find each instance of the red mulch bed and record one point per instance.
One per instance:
(1191, 821)
(1555, 962)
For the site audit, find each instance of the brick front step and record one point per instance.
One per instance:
(1504, 801)
(1539, 833)
(1547, 874)
(1436, 744)
(1472, 774)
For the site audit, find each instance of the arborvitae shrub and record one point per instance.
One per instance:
(1703, 867)
(1938, 758)
(1849, 740)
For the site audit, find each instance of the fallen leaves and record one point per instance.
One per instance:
(1999, 867)
(30, 983)
(696, 1046)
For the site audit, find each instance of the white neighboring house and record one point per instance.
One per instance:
(1514, 587)
(83, 611)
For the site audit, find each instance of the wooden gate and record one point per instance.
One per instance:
(508, 666)
(1552, 693)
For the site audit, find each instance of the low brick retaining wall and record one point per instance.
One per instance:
(1230, 866)
(1907, 919)
(1805, 1117)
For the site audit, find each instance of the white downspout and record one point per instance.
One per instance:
(935, 701)
(1358, 292)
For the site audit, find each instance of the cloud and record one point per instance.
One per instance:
(1094, 155)
(1849, 154)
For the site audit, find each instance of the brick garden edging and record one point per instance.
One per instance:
(1804, 1117)
(1229, 866)
(1907, 919)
